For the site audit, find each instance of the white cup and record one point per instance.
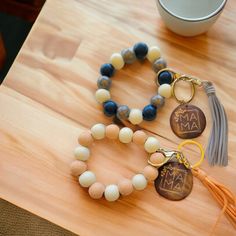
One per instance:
(190, 17)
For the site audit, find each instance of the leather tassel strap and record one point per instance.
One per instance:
(225, 198)
(217, 149)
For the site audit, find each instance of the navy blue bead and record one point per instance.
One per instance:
(140, 50)
(165, 77)
(107, 70)
(149, 112)
(110, 108)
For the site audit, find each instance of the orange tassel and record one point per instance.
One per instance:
(222, 195)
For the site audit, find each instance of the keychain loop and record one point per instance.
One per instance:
(197, 164)
(187, 79)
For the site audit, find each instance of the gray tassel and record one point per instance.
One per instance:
(217, 149)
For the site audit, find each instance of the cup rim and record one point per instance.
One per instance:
(219, 9)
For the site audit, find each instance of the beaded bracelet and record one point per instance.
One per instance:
(125, 187)
(139, 51)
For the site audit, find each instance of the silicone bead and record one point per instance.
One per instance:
(104, 82)
(78, 167)
(98, 131)
(96, 190)
(107, 70)
(125, 187)
(117, 61)
(157, 158)
(112, 131)
(85, 139)
(139, 182)
(153, 54)
(123, 112)
(125, 135)
(150, 173)
(110, 108)
(82, 153)
(111, 193)
(159, 64)
(139, 137)
(165, 77)
(140, 50)
(87, 178)
(165, 90)
(149, 112)
(158, 101)
(102, 95)
(128, 55)
(135, 116)
(151, 145)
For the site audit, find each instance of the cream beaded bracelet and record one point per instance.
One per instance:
(169, 170)
(125, 187)
(139, 51)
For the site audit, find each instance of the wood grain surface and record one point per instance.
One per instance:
(47, 98)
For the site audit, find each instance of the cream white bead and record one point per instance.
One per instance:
(151, 145)
(153, 54)
(98, 131)
(165, 90)
(87, 178)
(117, 61)
(125, 135)
(82, 153)
(111, 193)
(102, 95)
(135, 116)
(139, 182)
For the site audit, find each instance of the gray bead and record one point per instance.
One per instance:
(104, 82)
(159, 64)
(123, 112)
(158, 101)
(128, 55)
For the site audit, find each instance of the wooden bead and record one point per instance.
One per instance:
(139, 182)
(157, 158)
(78, 167)
(117, 61)
(102, 95)
(87, 179)
(125, 187)
(150, 173)
(82, 153)
(96, 190)
(151, 145)
(125, 135)
(85, 139)
(153, 53)
(135, 116)
(98, 131)
(111, 193)
(139, 137)
(112, 131)
(165, 90)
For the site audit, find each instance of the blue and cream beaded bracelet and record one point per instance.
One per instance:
(139, 51)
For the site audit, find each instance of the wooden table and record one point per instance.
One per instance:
(48, 98)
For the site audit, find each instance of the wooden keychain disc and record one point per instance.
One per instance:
(174, 181)
(187, 121)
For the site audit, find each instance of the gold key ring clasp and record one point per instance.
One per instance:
(192, 84)
(168, 155)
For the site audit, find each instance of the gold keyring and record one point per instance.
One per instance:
(200, 148)
(187, 79)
